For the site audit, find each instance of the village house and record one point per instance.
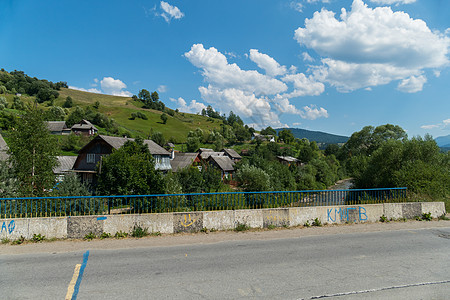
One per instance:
(232, 154)
(84, 128)
(91, 154)
(289, 160)
(183, 160)
(58, 127)
(222, 163)
(65, 166)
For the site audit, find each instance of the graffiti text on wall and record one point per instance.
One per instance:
(343, 213)
(8, 227)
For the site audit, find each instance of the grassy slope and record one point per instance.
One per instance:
(120, 109)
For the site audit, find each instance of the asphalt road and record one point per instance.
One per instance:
(409, 264)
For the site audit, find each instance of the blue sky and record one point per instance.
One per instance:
(328, 65)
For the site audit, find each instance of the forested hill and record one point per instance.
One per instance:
(317, 136)
(443, 141)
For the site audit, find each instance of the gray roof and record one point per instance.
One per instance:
(205, 150)
(288, 158)
(204, 155)
(117, 142)
(224, 162)
(65, 163)
(232, 153)
(3, 145)
(182, 160)
(84, 124)
(56, 126)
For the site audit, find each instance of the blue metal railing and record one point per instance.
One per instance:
(139, 204)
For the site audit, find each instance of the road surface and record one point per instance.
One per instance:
(411, 263)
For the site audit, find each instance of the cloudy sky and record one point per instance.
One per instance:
(328, 65)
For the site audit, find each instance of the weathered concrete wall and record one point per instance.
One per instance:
(219, 220)
(250, 217)
(436, 209)
(278, 217)
(79, 227)
(393, 211)
(187, 222)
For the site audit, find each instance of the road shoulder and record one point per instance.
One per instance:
(69, 245)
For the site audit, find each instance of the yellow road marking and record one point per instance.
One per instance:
(71, 287)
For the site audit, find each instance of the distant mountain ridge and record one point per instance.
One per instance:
(317, 136)
(443, 141)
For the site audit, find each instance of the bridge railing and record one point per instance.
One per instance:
(139, 204)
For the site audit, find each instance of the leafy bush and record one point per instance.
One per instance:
(139, 232)
(120, 234)
(90, 236)
(317, 222)
(241, 227)
(105, 235)
(38, 238)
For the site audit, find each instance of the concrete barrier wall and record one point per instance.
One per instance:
(79, 227)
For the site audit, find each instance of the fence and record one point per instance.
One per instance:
(138, 204)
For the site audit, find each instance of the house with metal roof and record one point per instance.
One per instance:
(223, 163)
(91, 154)
(185, 160)
(65, 165)
(288, 160)
(232, 154)
(58, 127)
(85, 128)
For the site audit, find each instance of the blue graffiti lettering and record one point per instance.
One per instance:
(329, 216)
(361, 213)
(9, 228)
(343, 213)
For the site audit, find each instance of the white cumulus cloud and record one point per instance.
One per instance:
(193, 108)
(162, 88)
(307, 57)
(267, 63)
(255, 96)
(114, 87)
(296, 6)
(312, 112)
(220, 73)
(303, 85)
(170, 12)
(371, 46)
(91, 90)
(443, 125)
(412, 84)
(429, 126)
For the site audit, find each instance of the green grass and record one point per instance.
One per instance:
(121, 108)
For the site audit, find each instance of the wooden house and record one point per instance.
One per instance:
(91, 154)
(84, 128)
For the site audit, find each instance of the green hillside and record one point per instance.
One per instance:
(317, 136)
(121, 108)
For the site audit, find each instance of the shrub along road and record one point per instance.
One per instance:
(374, 261)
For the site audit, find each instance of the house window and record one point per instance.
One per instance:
(90, 159)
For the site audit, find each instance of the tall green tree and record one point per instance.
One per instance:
(71, 186)
(8, 182)
(129, 170)
(33, 153)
